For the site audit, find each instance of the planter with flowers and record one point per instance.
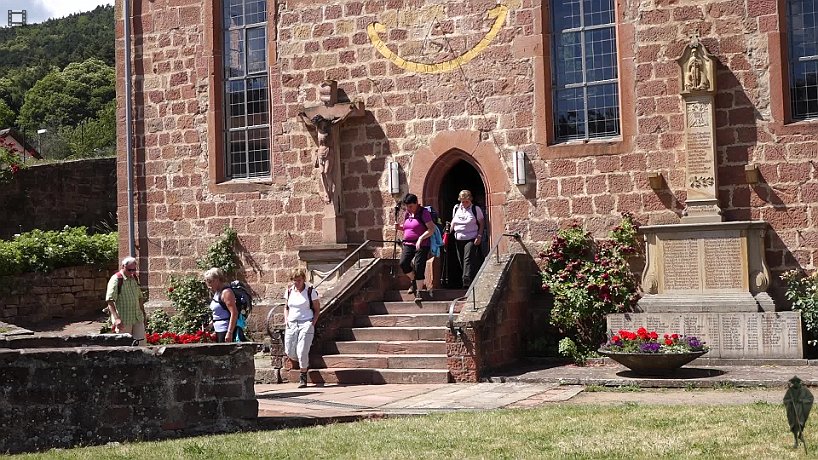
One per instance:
(170, 338)
(644, 352)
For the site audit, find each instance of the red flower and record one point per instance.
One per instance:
(674, 336)
(170, 289)
(668, 342)
(14, 168)
(654, 335)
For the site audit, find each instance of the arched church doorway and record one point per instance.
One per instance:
(461, 175)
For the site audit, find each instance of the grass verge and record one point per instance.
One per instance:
(756, 430)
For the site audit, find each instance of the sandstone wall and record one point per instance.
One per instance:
(49, 197)
(95, 395)
(486, 109)
(70, 292)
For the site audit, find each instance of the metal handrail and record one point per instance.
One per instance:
(470, 292)
(357, 251)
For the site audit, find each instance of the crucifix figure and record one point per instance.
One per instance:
(327, 120)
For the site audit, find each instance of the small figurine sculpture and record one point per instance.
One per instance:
(798, 402)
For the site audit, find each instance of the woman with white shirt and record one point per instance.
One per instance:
(301, 310)
(467, 225)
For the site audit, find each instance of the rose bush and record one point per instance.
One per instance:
(644, 341)
(589, 279)
(170, 338)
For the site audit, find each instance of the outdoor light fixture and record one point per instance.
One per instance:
(394, 178)
(519, 168)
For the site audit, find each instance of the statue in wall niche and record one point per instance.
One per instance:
(698, 68)
(696, 78)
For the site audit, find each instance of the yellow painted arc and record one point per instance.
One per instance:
(499, 13)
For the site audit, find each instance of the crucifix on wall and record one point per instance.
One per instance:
(327, 119)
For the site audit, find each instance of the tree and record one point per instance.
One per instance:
(6, 115)
(69, 97)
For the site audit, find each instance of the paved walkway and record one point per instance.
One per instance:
(287, 405)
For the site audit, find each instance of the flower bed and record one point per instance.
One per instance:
(169, 338)
(643, 341)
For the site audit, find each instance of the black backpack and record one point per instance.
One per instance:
(244, 301)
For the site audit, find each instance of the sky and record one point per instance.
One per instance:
(40, 10)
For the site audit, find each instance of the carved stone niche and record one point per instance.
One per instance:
(698, 69)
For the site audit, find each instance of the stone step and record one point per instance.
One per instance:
(373, 376)
(444, 295)
(391, 347)
(416, 320)
(394, 333)
(408, 307)
(379, 361)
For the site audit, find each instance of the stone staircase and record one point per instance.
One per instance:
(400, 340)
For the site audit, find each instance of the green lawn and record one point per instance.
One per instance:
(755, 431)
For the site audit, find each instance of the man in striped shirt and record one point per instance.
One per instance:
(125, 302)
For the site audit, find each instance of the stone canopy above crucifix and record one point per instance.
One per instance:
(327, 119)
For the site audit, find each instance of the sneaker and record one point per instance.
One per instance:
(413, 288)
(302, 380)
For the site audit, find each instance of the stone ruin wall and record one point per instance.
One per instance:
(500, 95)
(61, 397)
(70, 292)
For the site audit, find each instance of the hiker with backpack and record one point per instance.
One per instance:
(468, 222)
(225, 307)
(418, 228)
(301, 312)
(125, 302)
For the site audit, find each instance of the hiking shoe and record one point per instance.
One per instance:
(413, 288)
(302, 380)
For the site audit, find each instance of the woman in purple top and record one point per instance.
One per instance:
(417, 228)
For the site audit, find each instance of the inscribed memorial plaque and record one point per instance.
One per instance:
(723, 264)
(681, 265)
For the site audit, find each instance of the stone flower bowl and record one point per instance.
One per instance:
(652, 363)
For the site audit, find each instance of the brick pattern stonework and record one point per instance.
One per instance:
(49, 197)
(95, 395)
(499, 99)
(70, 292)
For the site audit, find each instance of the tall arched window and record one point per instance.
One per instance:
(803, 22)
(585, 74)
(246, 103)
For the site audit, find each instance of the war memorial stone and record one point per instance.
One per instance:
(705, 277)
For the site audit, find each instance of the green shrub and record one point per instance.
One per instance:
(188, 293)
(159, 321)
(802, 291)
(44, 251)
(589, 279)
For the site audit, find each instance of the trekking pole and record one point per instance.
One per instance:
(444, 278)
(395, 243)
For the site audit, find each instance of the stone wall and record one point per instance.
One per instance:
(70, 292)
(493, 334)
(51, 196)
(95, 395)
(482, 112)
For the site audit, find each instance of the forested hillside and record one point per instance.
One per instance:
(58, 76)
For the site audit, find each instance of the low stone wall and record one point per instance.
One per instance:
(51, 196)
(493, 335)
(94, 395)
(70, 292)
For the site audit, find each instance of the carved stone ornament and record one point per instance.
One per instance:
(698, 68)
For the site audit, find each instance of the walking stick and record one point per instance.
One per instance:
(395, 245)
(444, 279)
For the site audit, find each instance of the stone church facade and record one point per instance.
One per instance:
(582, 96)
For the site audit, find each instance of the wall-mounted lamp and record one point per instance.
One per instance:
(394, 178)
(751, 174)
(519, 168)
(655, 180)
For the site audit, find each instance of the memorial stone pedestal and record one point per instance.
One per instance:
(705, 277)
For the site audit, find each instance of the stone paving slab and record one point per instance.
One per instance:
(691, 376)
(331, 402)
